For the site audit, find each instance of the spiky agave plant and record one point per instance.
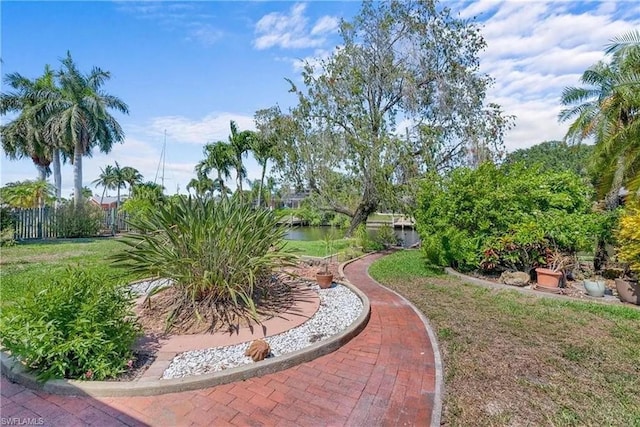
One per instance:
(219, 254)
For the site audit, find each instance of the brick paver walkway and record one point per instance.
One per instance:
(384, 376)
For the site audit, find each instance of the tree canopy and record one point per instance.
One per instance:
(401, 96)
(554, 156)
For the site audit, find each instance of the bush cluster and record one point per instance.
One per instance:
(503, 218)
(628, 235)
(85, 221)
(7, 227)
(218, 254)
(80, 326)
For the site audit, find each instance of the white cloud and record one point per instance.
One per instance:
(535, 50)
(290, 31)
(205, 33)
(180, 129)
(326, 24)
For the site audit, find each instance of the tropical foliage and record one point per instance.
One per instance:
(27, 194)
(555, 156)
(629, 237)
(65, 112)
(219, 255)
(26, 135)
(503, 218)
(144, 198)
(607, 110)
(80, 326)
(116, 178)
(83, 221)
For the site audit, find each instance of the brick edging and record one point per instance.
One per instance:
(16, 372)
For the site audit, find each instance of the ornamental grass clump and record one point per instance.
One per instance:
(220, 256)
(80, 326)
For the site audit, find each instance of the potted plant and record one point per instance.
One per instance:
(551, 276)
(628, 235)
(324, 277)
(594, 288)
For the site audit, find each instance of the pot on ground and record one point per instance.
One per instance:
(594, 288)
(324, 279)
(628, 291)
(548, 278)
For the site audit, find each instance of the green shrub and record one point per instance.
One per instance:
(85, 221)
(364, 241)
(80, 326)
(386, 236)
(7, 237)
(220, 255)
(497, 217)
(7, 218)
(628, 235)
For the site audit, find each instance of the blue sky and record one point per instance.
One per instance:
(190, 67)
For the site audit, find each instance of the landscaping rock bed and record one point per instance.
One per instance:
(339, 308)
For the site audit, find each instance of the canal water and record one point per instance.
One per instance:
(407, 236)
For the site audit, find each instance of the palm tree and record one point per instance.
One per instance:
(131, 176)
(27, 194)
(25, 136)
(607, 110)
(264, 149)
(218, 156)
(148, 190)
(201, 185)
(240, 143)
(79, 116)
(106, 180)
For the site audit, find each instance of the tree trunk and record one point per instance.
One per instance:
(367, 206)
(77, 174)
(264, 170)
(57, 175)
(42, 173)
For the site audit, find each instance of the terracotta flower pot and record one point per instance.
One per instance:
(324, 279)
(548, 278)
(628, 291)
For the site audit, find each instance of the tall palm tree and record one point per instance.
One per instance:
(25, 136)
(80, 116)
(263, 148)
(607, 109)
(132, 177)
(106, 180)
(240, 143)
(219, 156)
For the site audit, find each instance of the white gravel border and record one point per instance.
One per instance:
(339, 308)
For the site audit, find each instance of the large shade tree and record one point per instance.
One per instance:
(402, 95)
(80, 116)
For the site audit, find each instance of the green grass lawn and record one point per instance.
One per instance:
(32, 265)
(512, 359)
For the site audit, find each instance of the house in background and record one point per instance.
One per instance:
(108, 202)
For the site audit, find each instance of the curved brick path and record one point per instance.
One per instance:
(384, 376)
